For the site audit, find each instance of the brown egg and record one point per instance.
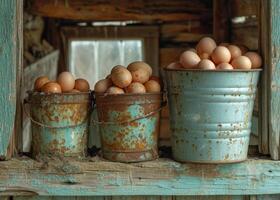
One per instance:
(192, 49)
(204, 56)
(115, 90)
(102, 85)
(74, 91)
(81, 85)
(234, 51)
(206, 64)
(157, 79)
(121, 77)
(255, 59)
(224, 66)
(241, 62)
(205, 47)
(40, 81)
(66, 80)
(117, 67)
(243, 48)
(174, 65)
(140, 64)
(108, 77)
(221, 54)
(189, 60)
(51, 87)
(152, 86)
(140, 75)
(136, 87)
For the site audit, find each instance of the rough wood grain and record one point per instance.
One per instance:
(8, 63)
(138, 198)
(244, 7)
(221, 21)
(162, 177)
(160, 10)
(274, 86)
(265, 49)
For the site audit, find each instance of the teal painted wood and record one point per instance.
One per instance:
(161, 177)
(210, 114)
(8, 61)
(139, 198)
(274, 125)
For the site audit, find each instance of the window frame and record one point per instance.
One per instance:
(149, 35)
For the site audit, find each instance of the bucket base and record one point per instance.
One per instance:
(129, 157)
(210, 161)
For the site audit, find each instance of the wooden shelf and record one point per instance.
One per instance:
(96, 177)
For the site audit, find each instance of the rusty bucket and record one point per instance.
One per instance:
(210, 114)
(60, 123)
(129, 126)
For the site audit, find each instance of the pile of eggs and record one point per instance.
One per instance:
(210, 56)
(135, 78)
(64, 83)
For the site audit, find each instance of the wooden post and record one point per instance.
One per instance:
(8, 70)
(221, 20)
(274, 78)
(270, 48)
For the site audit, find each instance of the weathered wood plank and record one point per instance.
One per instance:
(8, 62)
(137, 198)
(160, 10)
(244, 7)
(265, 49)
(221, 20)
(274, 86)
(162, 177)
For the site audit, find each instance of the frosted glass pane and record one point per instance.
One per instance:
(82, 64)
(93, 59)
(132, 51)
(108, 56)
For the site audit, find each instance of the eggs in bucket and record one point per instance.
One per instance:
(64, 83)
(209, 56)
(136, 78)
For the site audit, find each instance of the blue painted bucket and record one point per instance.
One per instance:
(210, 114)
(129, 126)
(60, 123)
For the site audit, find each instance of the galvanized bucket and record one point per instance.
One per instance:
(129, 126)
(210, 114)
(60, 123)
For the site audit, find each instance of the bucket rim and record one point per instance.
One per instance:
(214, 71)
(31, 92)
(129, 94)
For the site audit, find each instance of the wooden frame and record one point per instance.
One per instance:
(93, 177)
(10, 72)
(149, 35)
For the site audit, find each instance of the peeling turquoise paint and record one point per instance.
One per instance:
(8, 61)
(274, 86)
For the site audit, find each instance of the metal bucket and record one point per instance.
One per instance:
(210, 114)
(129, 126)
(60, 123)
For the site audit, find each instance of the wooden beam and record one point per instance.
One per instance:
(122, 10)
(95, 177)
(8, 69)
(273, 70)
(244, 8)
(221, 20)
(265, 50)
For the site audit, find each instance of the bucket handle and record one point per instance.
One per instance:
(25, 101)
(163, 104)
